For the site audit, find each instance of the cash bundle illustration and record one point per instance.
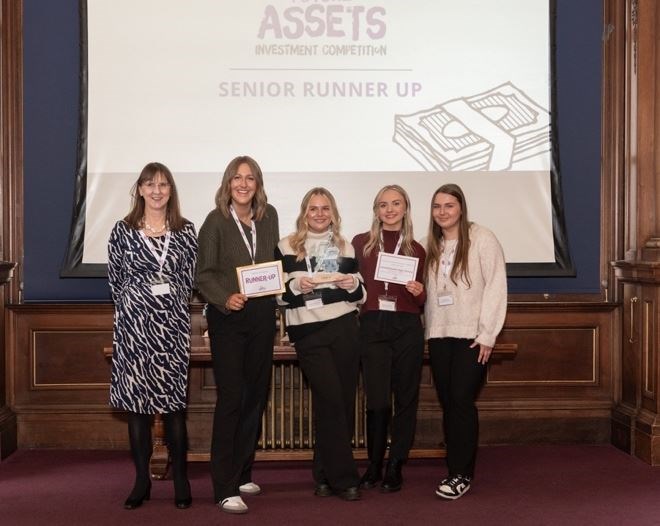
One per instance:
(490, 131)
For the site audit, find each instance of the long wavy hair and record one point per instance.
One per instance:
(459, 269)
(223, 195)
(135, 217)
(298, 238)
(377, 225)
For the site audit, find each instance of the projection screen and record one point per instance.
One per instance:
(346, 94)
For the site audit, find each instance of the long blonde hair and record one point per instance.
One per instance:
(459, 269)
(377, 226)
(298, 238)
(223, 195)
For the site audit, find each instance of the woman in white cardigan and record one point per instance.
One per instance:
(465, 310)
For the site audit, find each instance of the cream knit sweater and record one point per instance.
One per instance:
(477, 312)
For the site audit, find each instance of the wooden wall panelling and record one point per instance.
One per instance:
(59, 376)
(557, 388)
(635, 422)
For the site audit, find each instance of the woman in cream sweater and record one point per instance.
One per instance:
(465, 310)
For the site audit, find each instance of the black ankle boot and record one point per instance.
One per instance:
(377, 422)
(371, 477)
(138, 496)
(182, 498)
(393, 480)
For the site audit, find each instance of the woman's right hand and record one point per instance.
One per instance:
(306, 284)
(236, 301)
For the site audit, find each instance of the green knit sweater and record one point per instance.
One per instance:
(222, 249)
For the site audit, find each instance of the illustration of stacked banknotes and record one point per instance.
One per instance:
(488, 131)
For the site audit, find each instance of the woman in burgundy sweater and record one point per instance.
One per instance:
(392, 338)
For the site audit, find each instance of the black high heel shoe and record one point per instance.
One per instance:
(132, 502)
(183, 502)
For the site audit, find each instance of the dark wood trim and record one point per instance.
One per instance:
(613, 144)
(11, 133)
(11, 181)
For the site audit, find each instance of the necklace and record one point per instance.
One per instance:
(155, 230)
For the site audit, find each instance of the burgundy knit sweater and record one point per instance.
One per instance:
(405, 302)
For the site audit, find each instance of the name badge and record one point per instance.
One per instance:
(387, 303)
(445, 298)
(313, 300)
(160, 289)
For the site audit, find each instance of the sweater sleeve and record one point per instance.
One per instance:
(210, 265)
(421, 254)
(494, 300)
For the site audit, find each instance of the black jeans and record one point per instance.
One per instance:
(329, 359)
(391, 355)
(458, 378)
(242, 352)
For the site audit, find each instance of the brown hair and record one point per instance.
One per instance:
(223, 195)
(297, 239)
(434, 249)
(377, 226)
(135, 217)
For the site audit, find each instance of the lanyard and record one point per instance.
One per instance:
(446, 262)
(253, 251)
(160, 259)
(319, 263)
(396, 251)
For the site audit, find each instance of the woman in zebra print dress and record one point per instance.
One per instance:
(151, 264)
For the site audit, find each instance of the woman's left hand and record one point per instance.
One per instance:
(347, 282)
(415, 288)
(484, 352)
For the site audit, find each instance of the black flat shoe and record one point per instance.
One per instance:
(352, 493)
(132, 502)
(393, 479)
(182, 504)
(323, 490)
(372, 476)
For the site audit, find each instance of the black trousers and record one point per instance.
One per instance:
(458, 378)
(242, 353)
(391, 356)
(330, 361)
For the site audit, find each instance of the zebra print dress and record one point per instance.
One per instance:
(151, 337)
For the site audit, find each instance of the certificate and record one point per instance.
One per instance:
(396, 269)
(261, 279)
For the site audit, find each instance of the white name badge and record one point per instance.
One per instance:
(446, 298)
(387, 303)
(160, 289)
(314, 303)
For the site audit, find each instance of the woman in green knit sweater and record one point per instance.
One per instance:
(241, 230)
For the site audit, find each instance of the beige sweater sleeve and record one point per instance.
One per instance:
(494, 298)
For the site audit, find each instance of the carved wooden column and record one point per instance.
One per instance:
(636, 416)
(11, 202)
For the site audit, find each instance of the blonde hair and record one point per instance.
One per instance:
(223, 195)
(298, 238)
(459, 269)
(377, 225)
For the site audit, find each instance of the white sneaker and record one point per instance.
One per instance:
(250, 488)
(454, 487)
(233, 505)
